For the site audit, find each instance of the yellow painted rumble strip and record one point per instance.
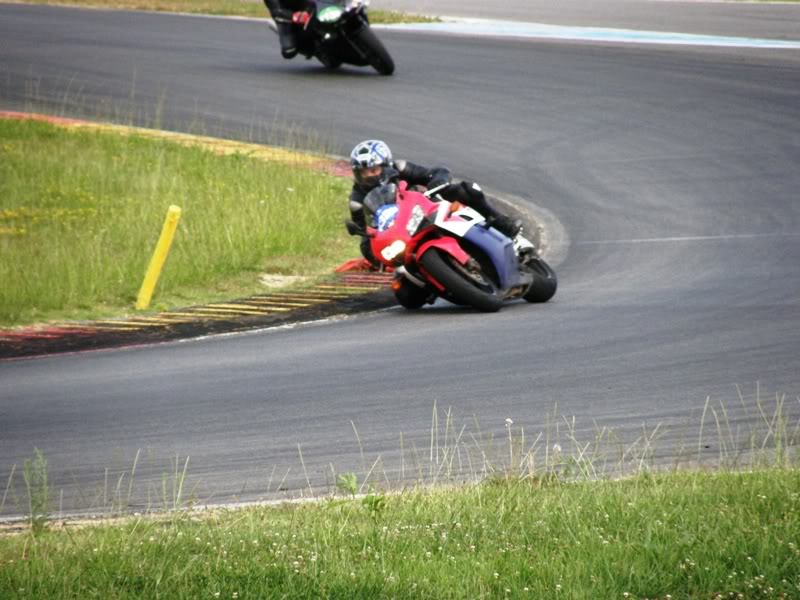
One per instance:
(337, 289)
(169, 319)
(229, 311)
(311, 298)
(232, 306)
(319, 298)
(96, 327)
(351, 288)
(280, 303)
(192, 316)
(242, 310)
(286, 295)
(139, 324)
(155, 320)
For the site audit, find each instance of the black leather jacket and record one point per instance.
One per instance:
(411, 173)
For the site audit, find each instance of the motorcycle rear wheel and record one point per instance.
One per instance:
(544, 281)
(463, 290)
(376, 54)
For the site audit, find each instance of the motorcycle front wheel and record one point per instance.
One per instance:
(464, 288)
(376, 54)
(410, 296)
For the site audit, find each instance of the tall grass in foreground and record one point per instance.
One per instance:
(80, 213)
(683, 535)
(546, 516)
(750, 434)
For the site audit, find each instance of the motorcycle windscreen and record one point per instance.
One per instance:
(379, 197)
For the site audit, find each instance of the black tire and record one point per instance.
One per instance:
(329, 63)
(544, 281)
(464, 290)
(410, 296)
(377, 55)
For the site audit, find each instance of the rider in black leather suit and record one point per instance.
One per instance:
(367, 161)
(281, 12)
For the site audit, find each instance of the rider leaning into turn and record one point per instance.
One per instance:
(368, 161)
(281, 12)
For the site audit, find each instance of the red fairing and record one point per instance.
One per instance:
(406, 200)
(405, 204)
(447, 244)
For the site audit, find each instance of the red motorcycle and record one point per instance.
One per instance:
(443, 249)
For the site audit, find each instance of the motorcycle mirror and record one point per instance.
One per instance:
(354, 229)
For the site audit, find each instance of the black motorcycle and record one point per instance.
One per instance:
(338, 32)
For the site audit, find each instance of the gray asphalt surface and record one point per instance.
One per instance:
(746, 19)
(670, 175)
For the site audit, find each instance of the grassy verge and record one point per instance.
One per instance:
(533, 520)
(238, 8)
(683, 535)
(81, 212)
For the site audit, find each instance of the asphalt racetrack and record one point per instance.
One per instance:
(667, 178)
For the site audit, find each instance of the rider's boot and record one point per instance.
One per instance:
(506, 225)
(283, 22)
(287, 38)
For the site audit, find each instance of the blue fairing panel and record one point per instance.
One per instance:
(500, 251)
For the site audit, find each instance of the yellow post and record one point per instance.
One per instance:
(159, 256)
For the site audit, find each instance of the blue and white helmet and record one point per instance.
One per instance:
(369, 154)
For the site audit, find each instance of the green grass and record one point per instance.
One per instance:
(81, 212)
(239, 8)
(682, 535)
(533, 520)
